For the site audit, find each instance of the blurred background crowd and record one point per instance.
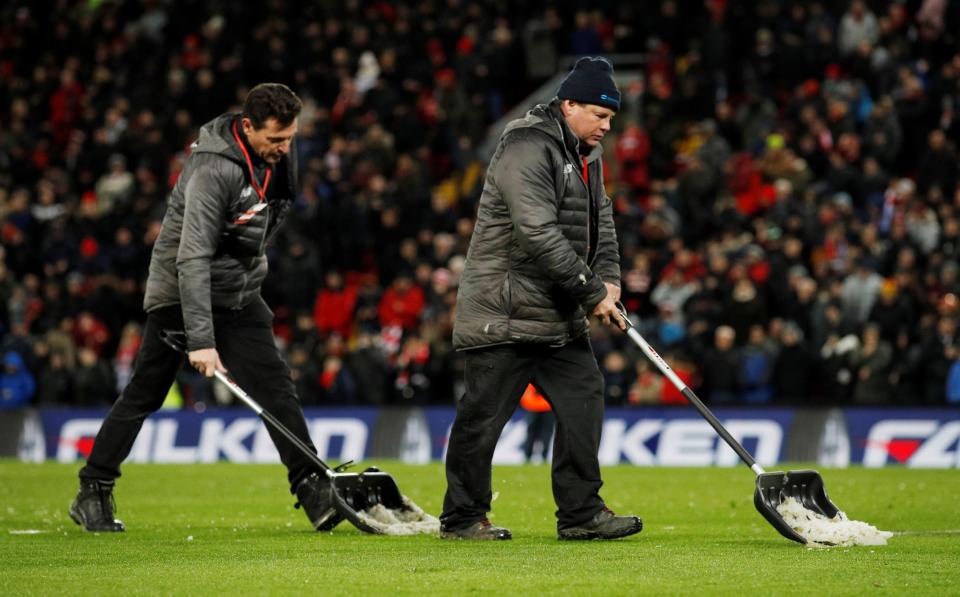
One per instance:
(785, 179)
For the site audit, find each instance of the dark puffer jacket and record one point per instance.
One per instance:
(210, 252)
(539, 255)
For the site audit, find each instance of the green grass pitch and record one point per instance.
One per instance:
(231, 529)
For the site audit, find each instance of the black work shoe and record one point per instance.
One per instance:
(314, 495)
(478, 531)
(604, 525)
(93, 507)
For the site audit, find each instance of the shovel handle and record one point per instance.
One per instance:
(669, 373)
(270, 420)
(171, 339)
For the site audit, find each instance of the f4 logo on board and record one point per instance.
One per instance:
(917, 443)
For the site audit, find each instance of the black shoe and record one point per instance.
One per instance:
(93, 507)
(314, 497)
(605, 525)
(478, 531)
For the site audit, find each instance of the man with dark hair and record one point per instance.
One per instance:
(543, 256)
(205, 274)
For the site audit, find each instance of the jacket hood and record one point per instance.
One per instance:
(549, 119)
(216, 137)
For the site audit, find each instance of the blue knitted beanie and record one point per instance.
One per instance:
(591, 82)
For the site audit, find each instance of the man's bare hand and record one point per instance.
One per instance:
(206, 361)
(613, 290)
(608, 313)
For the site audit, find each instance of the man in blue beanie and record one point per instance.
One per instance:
(543, 256)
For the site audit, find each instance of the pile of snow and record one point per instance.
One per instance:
(409, 520)
(821, 531)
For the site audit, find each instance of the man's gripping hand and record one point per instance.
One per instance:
(206, 361)
(607, 311)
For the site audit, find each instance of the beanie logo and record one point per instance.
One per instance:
(607, 98)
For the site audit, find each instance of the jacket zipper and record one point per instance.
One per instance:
(586, 186)
(266, 226)
(243, 289)
(263, 241)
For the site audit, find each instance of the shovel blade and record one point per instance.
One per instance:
(354, 493)
(804, 486)
(363, 490)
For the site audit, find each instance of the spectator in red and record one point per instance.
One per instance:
(90, 332)
(65, 106)
(669, 394)
(412, 383)
(402, 303)
(632, 150)
(333, 309)
(686, 262)
(336, 382)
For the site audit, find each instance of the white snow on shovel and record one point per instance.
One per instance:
(820, 531)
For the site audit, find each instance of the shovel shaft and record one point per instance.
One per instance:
(271, 421)
(678, 383)
(177, 341)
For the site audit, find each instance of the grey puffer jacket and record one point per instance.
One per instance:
(540, 254)
(210, 251)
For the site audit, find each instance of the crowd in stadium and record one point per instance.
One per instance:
(785, 178)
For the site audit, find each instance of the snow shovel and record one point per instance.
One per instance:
(805, 486)
(370, 500)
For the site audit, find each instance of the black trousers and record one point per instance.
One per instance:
(246, 347)
(568, 377)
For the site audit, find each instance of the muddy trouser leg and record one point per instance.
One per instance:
(571, 381)
(495, 380)
(154, 372)
(248, 350)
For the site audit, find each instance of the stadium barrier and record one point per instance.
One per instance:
(872, 437)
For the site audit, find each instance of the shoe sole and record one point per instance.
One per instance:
(584, 535)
